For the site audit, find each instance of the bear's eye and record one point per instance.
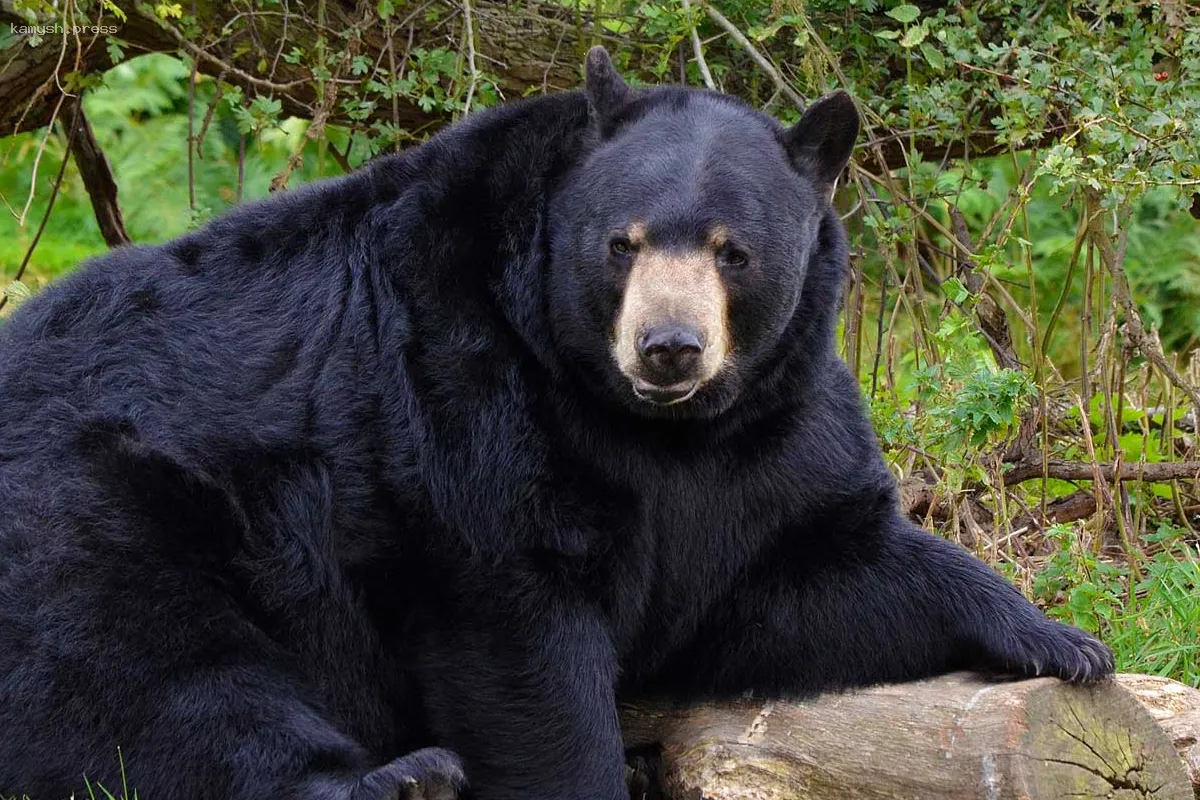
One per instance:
(620, 246)
(733, 258)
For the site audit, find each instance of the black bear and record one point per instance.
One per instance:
(399, 481)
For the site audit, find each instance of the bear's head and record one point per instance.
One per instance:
(681, 240)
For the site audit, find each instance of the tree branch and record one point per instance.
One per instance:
(97, 177)
(518, 45)
(698, 49)
(1159, 472)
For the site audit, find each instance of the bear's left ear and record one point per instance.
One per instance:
(821, 142)
(606, 90)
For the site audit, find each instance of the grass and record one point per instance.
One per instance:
(1148, 612)
(97, 791)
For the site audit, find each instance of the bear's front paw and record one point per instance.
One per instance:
(429, 774)
(1057, 650)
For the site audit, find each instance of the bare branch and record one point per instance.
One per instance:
(204, 55)
(97, 177)
(762, 61)
(1158, 472)
(469, 33)
(698, 49)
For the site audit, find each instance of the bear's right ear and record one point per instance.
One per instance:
(821, 142)
(606, 90)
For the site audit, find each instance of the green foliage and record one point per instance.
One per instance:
(1151, 621)
(140, 118)
(984, 403)
(1162, 257)
(955, 408)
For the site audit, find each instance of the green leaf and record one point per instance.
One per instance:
(913, 37)
(386, 9)
(889, 35)
(956, 291)
(115, 51)
(763, 32)
(933, 56)
(111, 7)
(906, 13)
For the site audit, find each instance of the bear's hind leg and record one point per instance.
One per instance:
(131, 654)
(236, 733)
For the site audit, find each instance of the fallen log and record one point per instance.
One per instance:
(959, 736)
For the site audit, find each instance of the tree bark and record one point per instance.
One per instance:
(957, 736)
(97, 176)
(1163, 471)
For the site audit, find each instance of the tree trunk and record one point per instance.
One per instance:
(957, 736)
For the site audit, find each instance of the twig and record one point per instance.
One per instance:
(763, 63)
(62, 169)
(282, 40)
(389, 32)
(97, 177)
(204, 55)
(208, 117)
(241, 171)
(191, 137)
(990, 317)
(470, 33)
(550, 63)
(697, 49)
(37, 159)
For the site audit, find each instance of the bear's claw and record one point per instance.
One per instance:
(1056, 650)
(428, 774)
(1077, 656)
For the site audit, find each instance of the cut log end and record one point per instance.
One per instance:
(1176, 708)
(958, 736)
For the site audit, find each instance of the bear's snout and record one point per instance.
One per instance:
(671, 332)
(670, 359)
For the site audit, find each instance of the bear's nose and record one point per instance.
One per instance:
(670, 353)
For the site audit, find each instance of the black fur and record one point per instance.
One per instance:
(350, 472)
